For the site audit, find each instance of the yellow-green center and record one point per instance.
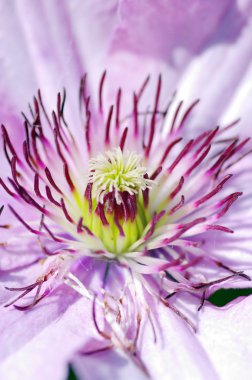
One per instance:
(115, 201)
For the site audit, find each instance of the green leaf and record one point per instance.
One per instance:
(71, 374)
(223, 296)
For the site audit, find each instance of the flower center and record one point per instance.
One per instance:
(117, 172)
(115, 197)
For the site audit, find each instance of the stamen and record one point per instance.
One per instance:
(36, 186)
(101, 90)
(187, 113)
(36, 232)
(118, 105)
(68, 177)
(87, 130)
(177, 188)
(63, 206)
(183, 153)
(51, 180)
(135, 113)
(108, 125)
(176, 116)
(169, 148)
(123, 139)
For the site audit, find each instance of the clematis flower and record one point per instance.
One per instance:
(117, 218)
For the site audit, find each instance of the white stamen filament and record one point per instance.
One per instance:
(119, 172)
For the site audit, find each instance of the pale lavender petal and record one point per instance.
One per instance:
(17, 82)
(221, 74)
(227, 339)
(173, 37)
(118, 42)
(173, 357)
(107, 365)
(39, 344)
(40, 49)
(17, 328)
(176, 355)
(137, 20)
